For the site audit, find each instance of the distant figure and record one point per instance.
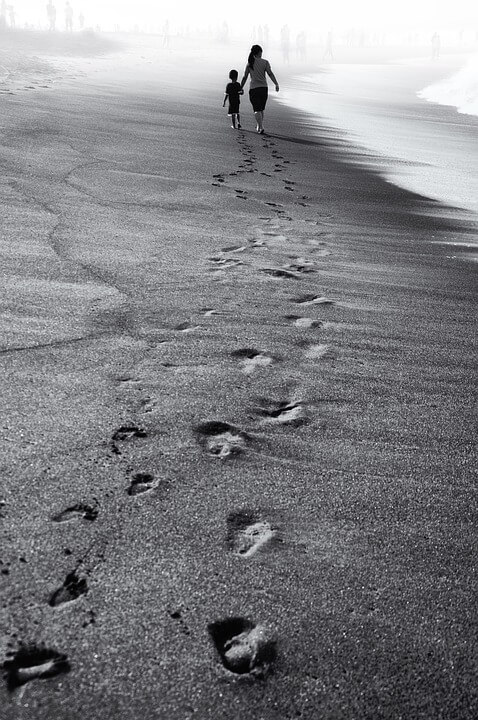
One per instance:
(329, 53)
(436, 43)
(81, 20)
(257, 68)
(11, 15)
(232, 92)
(301, 46)
(51, 14)
(166, 35)
(285, 43)
(68, 17)
(225, 32)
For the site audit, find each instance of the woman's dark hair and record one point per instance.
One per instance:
(255, 50)
(233, 75)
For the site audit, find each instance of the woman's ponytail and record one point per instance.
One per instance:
(255, 50)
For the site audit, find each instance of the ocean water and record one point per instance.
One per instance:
(408, 119)
(460, 89)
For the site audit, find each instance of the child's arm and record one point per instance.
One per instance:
(226, 95)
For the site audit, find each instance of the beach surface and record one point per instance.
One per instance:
(238, 442)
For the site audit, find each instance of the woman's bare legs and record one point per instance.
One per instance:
(259, 120)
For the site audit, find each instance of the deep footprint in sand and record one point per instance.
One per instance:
(220, 439)
(32, 662)
(125, 433)
(244, 647)
(141, 483)
(313, 300)
(246, 533)
(76, 512)
(234, 248)
(302, 265)
(252, 359)
(285, 413)
(73, 587)
(279, 273)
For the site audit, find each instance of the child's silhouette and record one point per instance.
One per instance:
(233, 90)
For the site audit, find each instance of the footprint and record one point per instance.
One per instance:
(289, 188)
(246, 533)
(124, 434)
(234, 248)
(186, 327)
(141, 483)
(252, 359)
(301, 265)
(273, 204)
(278, 273)
(285, 413)
(178, 617)
(73, 587)
(220, 439)
(225, 263)
(304, 322)
(33, 662)
(75, 512)
(312, 300)
(244, 648)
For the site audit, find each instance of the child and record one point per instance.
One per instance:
(233, 90)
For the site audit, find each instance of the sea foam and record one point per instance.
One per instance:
(460, 90)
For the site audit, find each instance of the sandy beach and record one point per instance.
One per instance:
(238, 431)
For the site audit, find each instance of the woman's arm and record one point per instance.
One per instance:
(272, 76)
(246, 73)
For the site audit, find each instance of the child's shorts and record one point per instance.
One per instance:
(233, 108)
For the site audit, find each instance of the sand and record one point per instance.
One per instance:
(237, 418)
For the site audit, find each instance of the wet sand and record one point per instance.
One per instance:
(238, 383)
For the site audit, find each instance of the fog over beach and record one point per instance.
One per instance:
(238, 352)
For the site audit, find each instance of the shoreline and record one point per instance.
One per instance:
(177, 274)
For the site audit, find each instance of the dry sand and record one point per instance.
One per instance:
(237, 383)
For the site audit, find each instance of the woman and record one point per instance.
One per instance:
(257, 68)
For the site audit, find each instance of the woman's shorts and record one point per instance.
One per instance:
(258, 98)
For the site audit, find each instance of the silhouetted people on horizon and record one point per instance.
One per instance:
(301, 46)
(81, 20)
(68, 17)
(11, 15)
(436, 44)
(328, 52)
(285, 42)
(51, 15)
(166, 35)
(257, 68)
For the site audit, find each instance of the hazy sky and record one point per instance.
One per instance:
(339, 14)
